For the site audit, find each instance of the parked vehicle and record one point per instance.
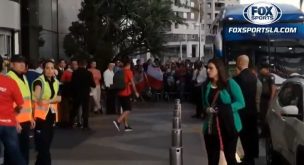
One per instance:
(285, 134)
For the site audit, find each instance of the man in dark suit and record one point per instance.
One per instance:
(81, 83)
(249, 116)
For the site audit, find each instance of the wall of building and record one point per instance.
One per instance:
(67, 13)
(47, 13)
(9, 27)
(183, 39)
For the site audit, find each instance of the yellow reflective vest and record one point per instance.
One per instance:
(41, 110)
(25, 114)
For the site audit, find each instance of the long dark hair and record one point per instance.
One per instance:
(222, 73)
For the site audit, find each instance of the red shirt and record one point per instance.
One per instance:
(9, 94)
(66, 76)
(96, 75)
(128, 75)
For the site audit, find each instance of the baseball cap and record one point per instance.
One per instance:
(18, 58)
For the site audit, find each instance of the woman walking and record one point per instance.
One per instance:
(223, 98)
(45, 96)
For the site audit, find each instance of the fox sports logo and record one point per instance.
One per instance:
(262, 13)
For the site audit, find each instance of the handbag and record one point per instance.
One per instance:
(211, 126)
(222, 158)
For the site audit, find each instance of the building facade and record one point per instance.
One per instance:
(183, 39)
(44, 23)
(193, 39)
(211, 10)
(9, 27)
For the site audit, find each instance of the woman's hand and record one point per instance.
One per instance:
(211, 110)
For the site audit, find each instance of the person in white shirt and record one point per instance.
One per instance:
(110, 93)
(199, 77)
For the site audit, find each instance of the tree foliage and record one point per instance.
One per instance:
(111, 28)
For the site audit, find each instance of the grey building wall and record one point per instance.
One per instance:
(9, 27)
(47, 13)
(67, 13)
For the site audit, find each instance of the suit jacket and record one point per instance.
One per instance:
(81, 83)
(248, 83)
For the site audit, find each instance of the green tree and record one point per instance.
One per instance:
(116, 28)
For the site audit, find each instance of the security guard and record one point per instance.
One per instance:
(25, 120)
(45, 95)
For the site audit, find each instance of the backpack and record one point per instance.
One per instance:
(119, 80)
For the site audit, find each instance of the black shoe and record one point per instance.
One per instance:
(195, 116)
(117, 125)
(86, 129)
(128, 129)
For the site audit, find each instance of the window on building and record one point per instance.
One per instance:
(202, 26)
(185, 15)
(192, 15)
(209, 26)
(176, 25)
(191, 26)
(209, 16)
(215, 15)
(209, 5)
(192, 4)
(2, 44)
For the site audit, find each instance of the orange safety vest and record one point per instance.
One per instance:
(25, 114)
(41, 110)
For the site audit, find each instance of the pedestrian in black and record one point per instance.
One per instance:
(268, 93)
(249, 115)
(81, 83)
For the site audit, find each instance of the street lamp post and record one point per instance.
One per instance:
(199, 30)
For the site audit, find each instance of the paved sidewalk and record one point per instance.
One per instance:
(148, 144)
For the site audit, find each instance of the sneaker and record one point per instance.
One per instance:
(128, 129)
(117, 125)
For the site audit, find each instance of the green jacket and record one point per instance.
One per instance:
(224, 95)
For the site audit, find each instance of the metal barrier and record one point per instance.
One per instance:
(176, 150)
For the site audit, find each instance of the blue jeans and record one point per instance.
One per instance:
(9, 138)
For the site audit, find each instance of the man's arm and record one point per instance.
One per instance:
(17, 96)
(91, 80)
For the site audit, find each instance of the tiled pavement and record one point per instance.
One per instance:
(148, 144)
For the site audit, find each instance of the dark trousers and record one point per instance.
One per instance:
(9, 138)
(111, 98)
(213, 148)
(264, 105)
(84, 103)
(249, 137)
(24, 143)
(198, 100)
(44, 133)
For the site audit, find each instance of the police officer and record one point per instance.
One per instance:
(25, 120)
(268, 93)
(45, 95)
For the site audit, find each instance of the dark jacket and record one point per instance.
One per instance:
(81, 83)
(248, 83)
(236, 102)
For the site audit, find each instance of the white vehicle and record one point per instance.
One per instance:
(285, 133)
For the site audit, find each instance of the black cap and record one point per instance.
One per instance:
(18, 58)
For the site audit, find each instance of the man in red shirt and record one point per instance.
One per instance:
(10, 95)
(124, 96)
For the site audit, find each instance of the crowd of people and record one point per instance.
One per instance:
(64, 93)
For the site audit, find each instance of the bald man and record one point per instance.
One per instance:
(249, 116)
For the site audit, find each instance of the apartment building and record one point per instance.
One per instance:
(9, 27)
(183, 41)
(211, 10)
